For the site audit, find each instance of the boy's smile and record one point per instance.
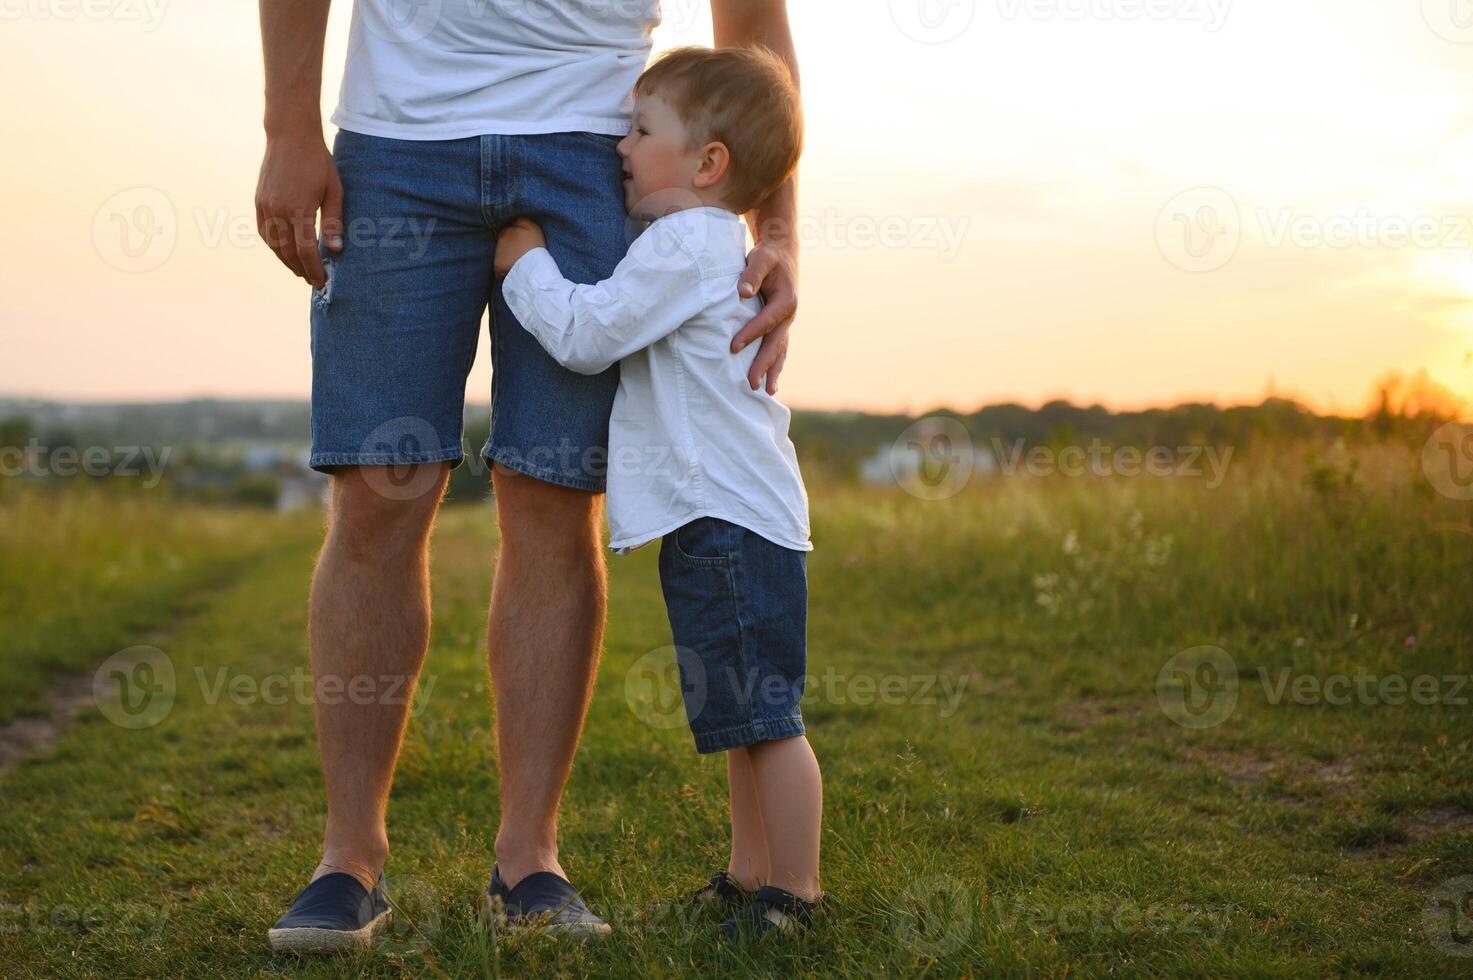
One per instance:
(661, 163)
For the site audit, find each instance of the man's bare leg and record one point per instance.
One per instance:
(544, 638)
(369, 617)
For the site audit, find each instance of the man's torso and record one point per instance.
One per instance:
(447, 69)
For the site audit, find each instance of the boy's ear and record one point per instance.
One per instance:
(714, 163)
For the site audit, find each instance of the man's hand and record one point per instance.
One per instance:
(772, 270)
(299, 178)
(516, 240)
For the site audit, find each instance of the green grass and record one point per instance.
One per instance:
(88, 570)
(1050, 820)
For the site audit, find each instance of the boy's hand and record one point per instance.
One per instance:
(516, 240)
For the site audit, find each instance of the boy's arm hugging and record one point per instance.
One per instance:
(586, 328)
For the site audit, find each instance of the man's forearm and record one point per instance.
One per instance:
(738, 23)
(292, 36)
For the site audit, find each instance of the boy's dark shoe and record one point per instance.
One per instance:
(772, 910)
(544, 901)
(719, 897)
(333, 914)
(721, 893)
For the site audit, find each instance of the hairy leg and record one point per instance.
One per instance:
(544, 637)
(369, 616)
(749, 860)
(790, 796)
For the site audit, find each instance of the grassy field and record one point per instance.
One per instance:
(1068, 726)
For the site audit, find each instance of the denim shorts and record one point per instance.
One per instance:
(738, 607)
(395, 329)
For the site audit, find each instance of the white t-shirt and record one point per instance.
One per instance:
(446, 69)
(688, 437)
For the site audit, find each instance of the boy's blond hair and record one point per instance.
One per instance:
(742, 97)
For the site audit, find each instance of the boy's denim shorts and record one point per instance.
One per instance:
(738, 607)
(395, 329)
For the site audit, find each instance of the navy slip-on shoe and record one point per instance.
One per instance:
(332, 914)
(541, 901)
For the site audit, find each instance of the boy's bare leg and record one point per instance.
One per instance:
(544, 636)
(369, 616)
(749, 862)
(790, 796)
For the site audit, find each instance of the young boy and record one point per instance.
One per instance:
(699, 459)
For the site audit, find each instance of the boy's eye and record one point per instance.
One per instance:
(642, 131)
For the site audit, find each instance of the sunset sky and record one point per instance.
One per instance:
(997, 197)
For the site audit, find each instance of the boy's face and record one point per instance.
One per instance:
(660, 162)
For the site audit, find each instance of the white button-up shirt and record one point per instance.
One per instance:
(688, 437)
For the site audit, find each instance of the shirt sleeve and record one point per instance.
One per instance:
(655, 289)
